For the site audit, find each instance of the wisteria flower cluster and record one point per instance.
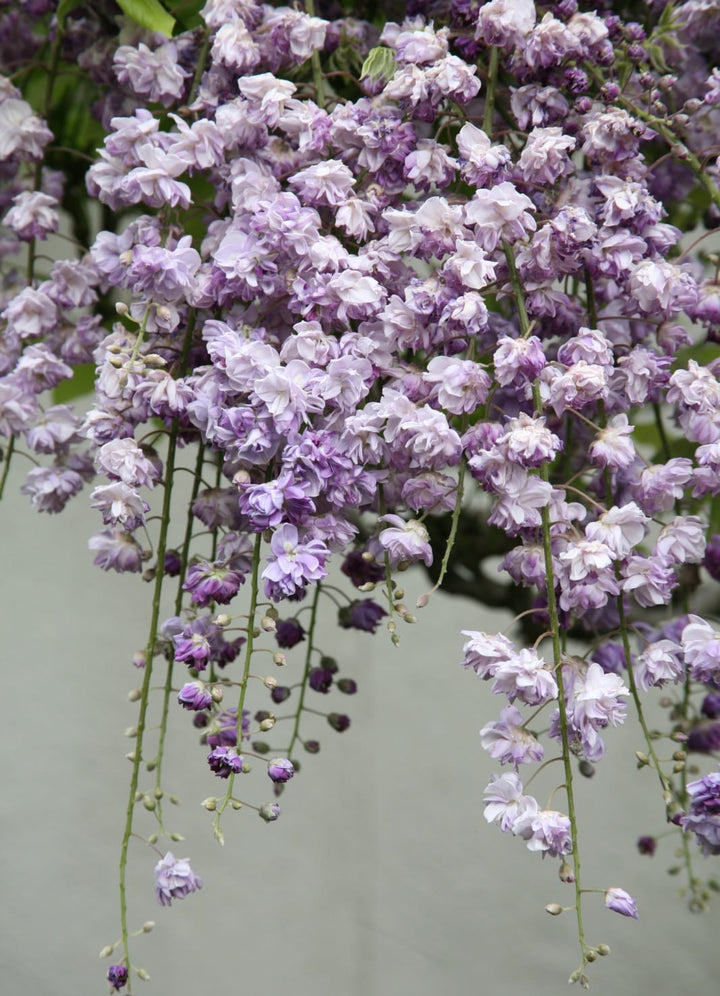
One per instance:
(410, 291)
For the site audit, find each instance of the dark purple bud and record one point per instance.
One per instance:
(704, 739)
(312, 746)
(117, 976)
(634, 31)
(583, 105)
(347, 686)
(566, 8)
(361, 571)
(320, 680)
(330, 664)
(338, 721)
(711, 705)
(194, 695)
(280, 770)
(646, 845)
(711, 561)
(605, 55)
(636, 53)
(225, 761)
(261, 715)
(280, 693)
(586, 768)
(289, 633)
(609, 92)
(172, 563)
(364, 615)
(576, 80)
(613, 24)
(201, 719)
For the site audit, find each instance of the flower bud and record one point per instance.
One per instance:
(176, 836)
(148, 926)
(153, 838)
(210, 804)
(223, 619)
(280, 660)
(149, 803)
(312, 746)
(566, 873)
(554, 909)
(269, 812)
(216, 693)
(270, 682)
(267, 724)
(603, 950)
(422, 601)
(107, 951)
(134, 695)
(142, 974)
(268, 624)
(131, 732)
(236, 804)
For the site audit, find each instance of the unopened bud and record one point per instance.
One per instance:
(134, 695)
(409, 618)
(566, 873)
(678, 767)
(223, 619)
(174, 800)
(368, 586)
(148, 926)
(603, 950)
(270, 682)
(210, 804)
(142, 974)
(267, 724)
(642, 759)
(679, 737)
(176, 837)
(131, 756)
(131, 732)
(121, 308)
(679, 755)
(151, 765)
(158, 793)
(268, 624)
(422, 601)
(153, 838)
(107, 951)
(149, 803)
(554, 909)
(216, 693)
(591, 955)
(236, 804)
(279, 659)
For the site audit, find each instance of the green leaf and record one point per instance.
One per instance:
(81, 383)
(149, 14)
(379, 65)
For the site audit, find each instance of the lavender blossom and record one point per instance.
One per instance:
(174, 879)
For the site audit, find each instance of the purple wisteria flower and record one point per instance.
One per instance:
(225, 761)
(621, 902)
(280, 770)
(117, 976)
(174, 879)
(294, 563)
(195, 696)
(703, 815)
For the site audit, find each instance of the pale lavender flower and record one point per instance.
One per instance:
(650, 580)
(508, 741)
(701, 649)
(682, 541)
(34, 215)
(659, 663)
(174, 879)
(546, 156)
(116, 550)
(50, 488)
(595, 697)
(500, 213)
(22, 133)
(621, 902)
(529, 442)
(124, 460)
(703, 817)
(505, 802)
(155, 75)
(505, 22)
(620, 528)
(613, 447)
(518, 361)
(485, 653)
(545, 830)
(404, 542)
(293, 563)
(525, 676)
(120, 505)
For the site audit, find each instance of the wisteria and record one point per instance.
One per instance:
(415, 289)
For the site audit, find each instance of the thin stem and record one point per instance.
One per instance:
(178, 607)
(490, 92)
(145, 690)
(308, 661)
(7, 457)
(244, 680)
(315, 63)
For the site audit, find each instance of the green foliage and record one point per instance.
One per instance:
(149, 14)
